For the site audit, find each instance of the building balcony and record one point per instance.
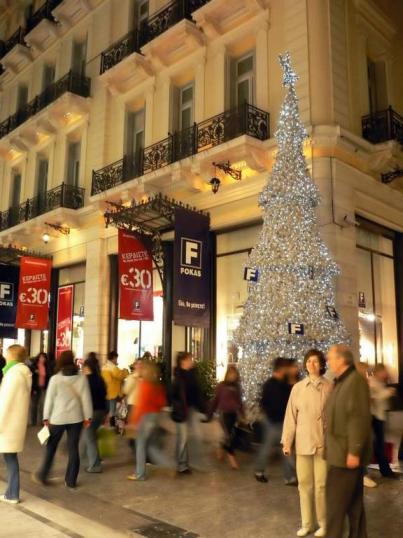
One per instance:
(42, 14)
(70, 82)
(63, 196)
(231, 124)
(16, 55)
(154, 26)
(70, 12)
(383, 126)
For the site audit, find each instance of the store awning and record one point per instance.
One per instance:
(11, 255)
(154, 216)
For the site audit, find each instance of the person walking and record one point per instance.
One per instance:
(380, 397)
(41, 373)
(187, 404)
(2, 365)
(97, 386)
(275, 395)
(15, 391)
(228, 402)
(150, 400)
(131, 383)
(304, 427)
(67, 408)
(113, 377)
(347, 445)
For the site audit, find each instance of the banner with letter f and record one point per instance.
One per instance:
(191, 269)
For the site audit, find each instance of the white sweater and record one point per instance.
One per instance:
(68, 399)
(15, 393)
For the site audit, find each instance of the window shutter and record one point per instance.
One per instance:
(175, 109)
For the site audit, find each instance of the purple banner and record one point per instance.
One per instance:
(191, 269)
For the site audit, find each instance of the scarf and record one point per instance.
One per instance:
(9, 365)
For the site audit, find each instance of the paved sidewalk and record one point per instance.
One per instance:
(216, 503)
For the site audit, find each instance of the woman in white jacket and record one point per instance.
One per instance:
(15, 387)
(68, 407)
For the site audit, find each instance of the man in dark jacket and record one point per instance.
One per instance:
(187, 404)
(347, 445)
(275, 395)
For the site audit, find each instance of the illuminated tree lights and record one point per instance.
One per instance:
(291, 304)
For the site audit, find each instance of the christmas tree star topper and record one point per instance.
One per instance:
(290, 77)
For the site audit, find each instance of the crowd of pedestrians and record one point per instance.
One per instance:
(323, 426)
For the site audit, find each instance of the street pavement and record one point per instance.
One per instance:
(214, 502)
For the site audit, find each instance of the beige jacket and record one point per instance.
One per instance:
(304, 422)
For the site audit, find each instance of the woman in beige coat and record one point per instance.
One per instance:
(15, 394)
(304, 426)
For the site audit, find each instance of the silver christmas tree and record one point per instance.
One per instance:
(291, 306)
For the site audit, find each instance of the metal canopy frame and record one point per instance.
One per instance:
(149, 218)
(11, 254)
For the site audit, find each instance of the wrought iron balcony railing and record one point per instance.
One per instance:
(242, 120)
(383, 126)
(62, 196)
(71, 82)
(44, 12)
(16, 39)
(154, 26)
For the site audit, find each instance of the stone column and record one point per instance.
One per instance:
(96, 298)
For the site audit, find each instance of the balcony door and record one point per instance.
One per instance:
(182, 120)
(22, 100)
(15, 196)
(377, 87)
(79, 57)
(73, 164)
(142, 13)
(241, 80)
(135, 123)
(41, 186)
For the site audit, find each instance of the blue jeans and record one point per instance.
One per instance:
(89, 441)
(13, 476)
(189, 439)
(272, 432)
(145, 446)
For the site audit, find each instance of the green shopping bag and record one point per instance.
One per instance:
(106, 440)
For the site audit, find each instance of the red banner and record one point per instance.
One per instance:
(136, 278)
(33, 293)
(64, 324)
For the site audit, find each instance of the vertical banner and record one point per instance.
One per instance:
(191, 269)
(33, 293)
(8, 300)
(135, 278)
(64, 323)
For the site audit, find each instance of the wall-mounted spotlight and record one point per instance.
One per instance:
(215, 184)
(45, 237)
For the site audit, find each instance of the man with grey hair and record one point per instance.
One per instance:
(347, 445)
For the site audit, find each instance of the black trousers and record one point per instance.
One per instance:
(228, 423)
(73, 464)
(378, 427)
(345, 497)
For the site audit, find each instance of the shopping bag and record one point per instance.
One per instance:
(106, 441)
(43, 435)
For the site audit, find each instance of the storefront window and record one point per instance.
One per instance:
(377, 300)
(232, 257)
(75, 275)
(137, 337)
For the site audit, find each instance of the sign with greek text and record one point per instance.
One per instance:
(33, 293)
(64, 324)
(191, 269)
(8, 300)
(135, 278)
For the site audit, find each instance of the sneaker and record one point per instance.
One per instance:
(303, 531)
(291, 482)
(4, 499)
(184, 472)
(135, 478)
(320, 532)
(369, 483)
(260, 477)
(71, 488)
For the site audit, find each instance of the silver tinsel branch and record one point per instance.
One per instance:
(296, 274)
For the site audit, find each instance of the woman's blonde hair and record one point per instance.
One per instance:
(149, 372)
(17, 353)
